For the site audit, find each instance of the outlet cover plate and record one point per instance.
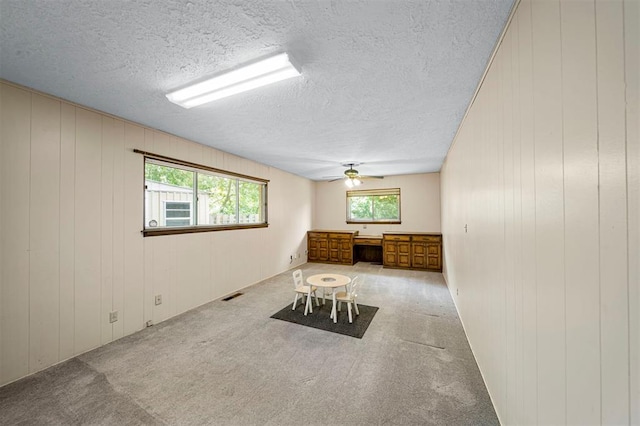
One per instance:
(113, 316)
(159, 299)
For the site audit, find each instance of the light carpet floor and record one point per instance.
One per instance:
(229, 363)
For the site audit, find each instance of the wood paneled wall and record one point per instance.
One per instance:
(544, 173)
(71, 206)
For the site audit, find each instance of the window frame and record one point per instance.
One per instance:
(373, 193)
(195, 168)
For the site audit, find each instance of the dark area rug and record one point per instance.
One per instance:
(320, 318)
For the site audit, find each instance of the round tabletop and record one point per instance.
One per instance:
(328, 280)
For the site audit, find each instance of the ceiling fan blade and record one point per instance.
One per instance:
(370, 177)
(333, 180)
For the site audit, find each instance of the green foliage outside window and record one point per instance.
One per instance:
(233, 199)
(373, 205)
(168, 175)
(221, 193)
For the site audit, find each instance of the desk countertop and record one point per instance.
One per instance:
(411, 233)
(334, 231)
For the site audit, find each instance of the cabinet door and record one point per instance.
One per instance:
(390, 253)
(434, 256)
(334, 250)
(404, 254)
(419, 255)
(318, 249)
(323, 249)
(313, 249)
(346, 252)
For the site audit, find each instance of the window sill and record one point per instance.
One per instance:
(156, 232)
(379, 222)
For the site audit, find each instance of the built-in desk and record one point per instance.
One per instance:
(368, 248)
(412, 250)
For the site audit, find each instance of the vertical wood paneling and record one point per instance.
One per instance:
(195, 153)
(162, 263)
(162, 143)
(44, 233)
(14, 246)
(219, 269)
(632, 77)
(133, 308)
(581, 211)
(150, 311)
(509, 227)
(118, 226)
(106, 227)
(496, 224)
(183, 287)
(87, 230)
(67, 230)
(188, 288)
(528, 228)
(613, 213)
(517, 386)
(549, 211)
(571, 170)
(71, 212)
(2, 136)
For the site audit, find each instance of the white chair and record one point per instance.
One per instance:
(303, 290)
(349, 297)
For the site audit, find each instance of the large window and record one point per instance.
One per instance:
(373, 206)
(185, 198)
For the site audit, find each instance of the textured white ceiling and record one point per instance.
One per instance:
(385, 83)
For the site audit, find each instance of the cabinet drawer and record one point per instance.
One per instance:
(397, 238)
(317, 235)
(340, 236)
(426, 238)
(368, 241)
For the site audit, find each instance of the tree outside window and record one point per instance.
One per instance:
(221, 199)
(373, 206)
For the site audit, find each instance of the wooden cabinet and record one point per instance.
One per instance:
(419, 255)
(396, 250)
(317, 246)
(330, 246)
(341, 248)
(412, 250)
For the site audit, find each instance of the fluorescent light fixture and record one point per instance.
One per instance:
(257, 74)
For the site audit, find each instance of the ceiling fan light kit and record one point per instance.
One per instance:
(256, 74)
(352, 177)
(351, 182)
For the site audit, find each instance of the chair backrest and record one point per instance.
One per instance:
(353, 286)
(297, 278)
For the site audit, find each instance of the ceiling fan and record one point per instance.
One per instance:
(352, 177)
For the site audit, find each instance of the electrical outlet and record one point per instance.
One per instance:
(159, 299)
(456, 291)
(113, 316)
